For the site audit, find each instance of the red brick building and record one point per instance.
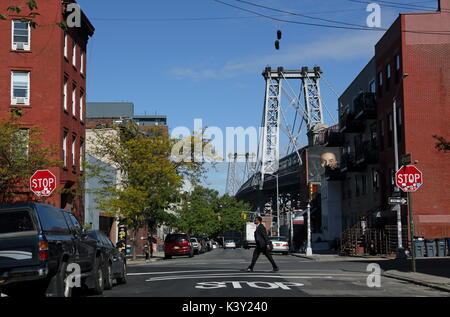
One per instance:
(43, 72)
(413, 65)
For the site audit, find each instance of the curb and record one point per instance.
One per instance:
(417, 282)
(303, 256)
(143, 262)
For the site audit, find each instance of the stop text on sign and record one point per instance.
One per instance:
(42, 182)
(408, 178)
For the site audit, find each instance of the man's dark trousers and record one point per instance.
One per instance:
(262, 241)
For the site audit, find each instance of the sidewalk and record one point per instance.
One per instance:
(432, 272)
(157, 256)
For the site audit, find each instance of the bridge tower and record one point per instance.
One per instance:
(311, 114)
(240, 168)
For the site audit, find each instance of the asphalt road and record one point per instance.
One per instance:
(222, 273)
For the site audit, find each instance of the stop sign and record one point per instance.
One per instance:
(408, 178)
(43, 183)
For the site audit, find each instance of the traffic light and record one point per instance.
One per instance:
(277, 44)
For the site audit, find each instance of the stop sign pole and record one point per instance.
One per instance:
(409, 179)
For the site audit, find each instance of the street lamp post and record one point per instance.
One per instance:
(308, 245)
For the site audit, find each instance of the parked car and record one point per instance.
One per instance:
(113, 261)
(280, 244)
(177, 244)
(38, 243)
(196, 245)
(201, 240)
(215, 245)
(229, 244)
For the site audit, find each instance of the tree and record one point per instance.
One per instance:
(21, 154)
(149, 182)
(32, 14)
(198, 214)
(204, 212)
(443, 144)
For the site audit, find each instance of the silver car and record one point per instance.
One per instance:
(280, 244)
(196, 245)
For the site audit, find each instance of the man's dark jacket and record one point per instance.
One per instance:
(261, 238)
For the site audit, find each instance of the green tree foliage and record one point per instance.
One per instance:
(204, 212)
(21, 154)
(30, 15)
(149, 183)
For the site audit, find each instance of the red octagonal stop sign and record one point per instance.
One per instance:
(408, 178)
(43, 183)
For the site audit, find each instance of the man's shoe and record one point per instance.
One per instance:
(249, 269)
(275, 270)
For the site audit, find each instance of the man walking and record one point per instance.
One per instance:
(263, 245)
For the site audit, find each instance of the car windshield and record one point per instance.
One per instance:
(278, 238)
(171, 238)
(193, 240)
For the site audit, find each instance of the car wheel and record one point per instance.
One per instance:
(167, 257)
(98, 279)
(108, 278)
(285, 253)
(123, 278)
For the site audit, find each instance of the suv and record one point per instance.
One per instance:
(177, 244)
(39, 245)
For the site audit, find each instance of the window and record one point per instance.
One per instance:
(397, 68)
(380, 84)
(75, 224)
(372, 87)
(73, 151)
(21, 144)
(74, 54)
(65, 93)
(82, 61)
(65, 149)
(364, 184)
(81, 154)
(74, 100)
(21, 35)
(20, 94)
(66, 41)
(373, 136)
(81, 105)
(16, 221)
(52, 219)
(375, 181)
(357, 185)
(388, 76)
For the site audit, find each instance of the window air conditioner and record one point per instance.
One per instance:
(20, 101)
(20, 46)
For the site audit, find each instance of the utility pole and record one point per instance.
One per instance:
(397, 207)
(278, 208)
(308, 245)
(400, 250)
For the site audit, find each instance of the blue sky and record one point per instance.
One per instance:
(156, 55)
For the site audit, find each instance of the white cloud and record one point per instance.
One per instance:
(344, 47)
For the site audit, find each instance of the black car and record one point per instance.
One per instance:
(40, 247)
(113, 261)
